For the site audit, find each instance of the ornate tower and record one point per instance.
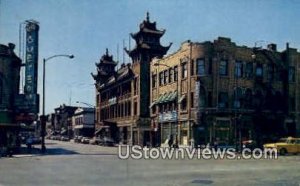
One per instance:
(105, 68)
(147, 47)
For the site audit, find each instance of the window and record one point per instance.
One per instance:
(223, 100)
(192, 99)
(154, 76)
(249, 70)
(175, 73)
(210, 66)
(209, 99)
(202, 97)
(135, 108)
(1, 89)
(200, 67)
(259, 70)
(270, 72)
(238, 69)
(161, 78)
(183, 104)
(237, 97)
(184, 70)
(166, 77)
(192, 67)
(291, 74)
(170, 75)
(223, 68)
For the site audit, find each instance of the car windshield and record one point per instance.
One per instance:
(282, 140)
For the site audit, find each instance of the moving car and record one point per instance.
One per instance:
(285, 145)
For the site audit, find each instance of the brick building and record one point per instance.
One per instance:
(123, 95)
(226, 93)
(10, 66)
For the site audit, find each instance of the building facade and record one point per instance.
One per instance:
(10, 66)
(220, 92)
(83, 122)
(123, 95)
(63, 120)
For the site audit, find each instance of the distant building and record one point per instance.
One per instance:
(123, 95)
(9, 89)
(83, 122)
(218, 91)
(63, 119)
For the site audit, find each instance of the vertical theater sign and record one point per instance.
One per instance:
(28, 103)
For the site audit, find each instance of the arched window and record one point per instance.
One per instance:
(237, 97)
(202, 97)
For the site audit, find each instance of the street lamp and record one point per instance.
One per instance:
(157, 65)
(43, 117)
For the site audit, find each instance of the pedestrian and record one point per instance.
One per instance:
(10, 145)
(170, 142)
(29, 143)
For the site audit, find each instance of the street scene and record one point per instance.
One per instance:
(149, 93)
(68, 163)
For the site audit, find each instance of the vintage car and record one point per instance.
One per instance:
(285, 145)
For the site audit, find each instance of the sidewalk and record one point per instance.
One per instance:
(25, 152)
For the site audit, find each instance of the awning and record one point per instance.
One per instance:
(152, 104)
(167, 97)
(101, 128)
(63, 132)
(181, 98)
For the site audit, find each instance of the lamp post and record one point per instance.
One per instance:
(43, 117)
(91, 106)
(177, 89)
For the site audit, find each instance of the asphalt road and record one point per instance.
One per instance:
(68, 163)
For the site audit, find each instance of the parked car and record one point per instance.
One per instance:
(64, 138)
(95, 141)
(224, 146)
(77, 139)
(32, 140)
(85, 140)
(285, 145)
(106, 141)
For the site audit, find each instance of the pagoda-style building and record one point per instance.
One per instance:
(123, 95)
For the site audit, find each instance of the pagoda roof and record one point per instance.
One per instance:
(148, 27)
(106, 59)
(144, 46)
(124, 72)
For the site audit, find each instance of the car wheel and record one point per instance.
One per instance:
(283, 151)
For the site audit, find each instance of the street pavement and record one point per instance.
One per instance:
(67, 163)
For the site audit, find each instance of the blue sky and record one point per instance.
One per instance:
(86, 27)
